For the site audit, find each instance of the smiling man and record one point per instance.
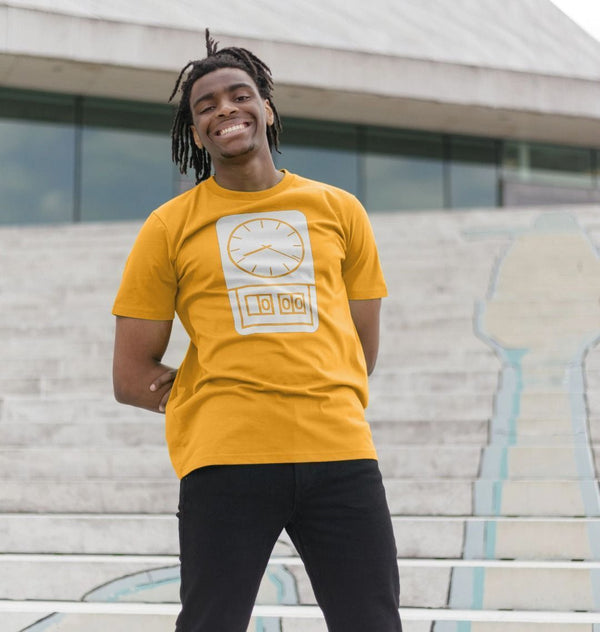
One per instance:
(277, 281)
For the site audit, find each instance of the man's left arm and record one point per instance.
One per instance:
(365, 314)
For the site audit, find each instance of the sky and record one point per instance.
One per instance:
(585, 12)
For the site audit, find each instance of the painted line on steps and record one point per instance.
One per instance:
(168, 560)
(299, 612)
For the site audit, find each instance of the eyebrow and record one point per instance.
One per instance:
(210, 95)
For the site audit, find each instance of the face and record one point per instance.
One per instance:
(230, 117)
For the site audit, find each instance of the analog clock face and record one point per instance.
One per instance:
(265, 247)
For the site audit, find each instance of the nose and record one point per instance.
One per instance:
(226, 108)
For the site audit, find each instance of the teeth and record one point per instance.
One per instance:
(233, 128)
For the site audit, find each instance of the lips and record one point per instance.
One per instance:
(231, 129)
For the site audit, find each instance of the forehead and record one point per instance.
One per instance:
(220, 80)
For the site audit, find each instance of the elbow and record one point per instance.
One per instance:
(119, 394)
(121, 391)
(370, 361)
(370, 353)
(371, 366)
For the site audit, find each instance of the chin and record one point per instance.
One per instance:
(229, 155)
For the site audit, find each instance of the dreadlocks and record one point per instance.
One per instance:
(184, 151)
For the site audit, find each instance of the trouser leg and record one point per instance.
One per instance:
(229, 520)
(343, 531)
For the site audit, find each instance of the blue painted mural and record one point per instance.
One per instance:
(541, 316)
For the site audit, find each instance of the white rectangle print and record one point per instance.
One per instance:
(268, 266)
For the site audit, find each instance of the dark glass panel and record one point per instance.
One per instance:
(126, 168)
(552, 164)
(322, 151)
(37, 154)
(36, 106)
(130, 115)
(473, 173)
(403, 170)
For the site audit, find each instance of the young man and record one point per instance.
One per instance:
(277, 281)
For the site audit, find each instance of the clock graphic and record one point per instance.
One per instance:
(266, 247)
(269, 272)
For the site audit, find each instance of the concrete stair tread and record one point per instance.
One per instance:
(123, 463)
(415, 496)
(148, 429)
(445, 461)
(416, 537)
(552, 585)
(122, 617)
(472, 406)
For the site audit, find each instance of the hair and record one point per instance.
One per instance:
(184, 151)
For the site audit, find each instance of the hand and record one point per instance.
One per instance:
(166, 378)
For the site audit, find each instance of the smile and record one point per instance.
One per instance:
(230, 130)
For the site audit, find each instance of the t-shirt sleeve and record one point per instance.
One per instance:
(149, 284)
(361, 268)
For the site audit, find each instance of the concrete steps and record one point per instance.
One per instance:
(489, 458)
(93, 617)
(526, 464)
(419, 497)
(551, 586)
(148, 429)
(152, 462)
(418, 537)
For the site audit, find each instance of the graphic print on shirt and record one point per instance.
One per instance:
(268, 266)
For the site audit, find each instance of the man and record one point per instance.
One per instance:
(277, 281)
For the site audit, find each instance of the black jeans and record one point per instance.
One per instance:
(336, 515)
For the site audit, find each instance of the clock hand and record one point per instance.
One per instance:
(247, 254)
(284, 254)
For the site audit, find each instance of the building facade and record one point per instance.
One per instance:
(410, 106)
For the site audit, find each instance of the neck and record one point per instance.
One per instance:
(252, 175)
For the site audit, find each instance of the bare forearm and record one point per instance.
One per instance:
(139, 376)
(365, 315)
(137, 388)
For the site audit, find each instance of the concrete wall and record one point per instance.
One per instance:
(471, 66)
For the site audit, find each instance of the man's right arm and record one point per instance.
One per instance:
(139, 377)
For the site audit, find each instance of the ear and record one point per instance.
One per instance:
(196, 137)
(270, 115)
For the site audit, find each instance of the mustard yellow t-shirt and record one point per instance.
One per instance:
(274, 372)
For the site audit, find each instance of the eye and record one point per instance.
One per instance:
(206, 108)
(242, 97)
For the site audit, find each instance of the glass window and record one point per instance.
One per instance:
(472, 173)
(37, 154)
(126, 168)
(327, 152)
(551, 164)
(403, 170)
